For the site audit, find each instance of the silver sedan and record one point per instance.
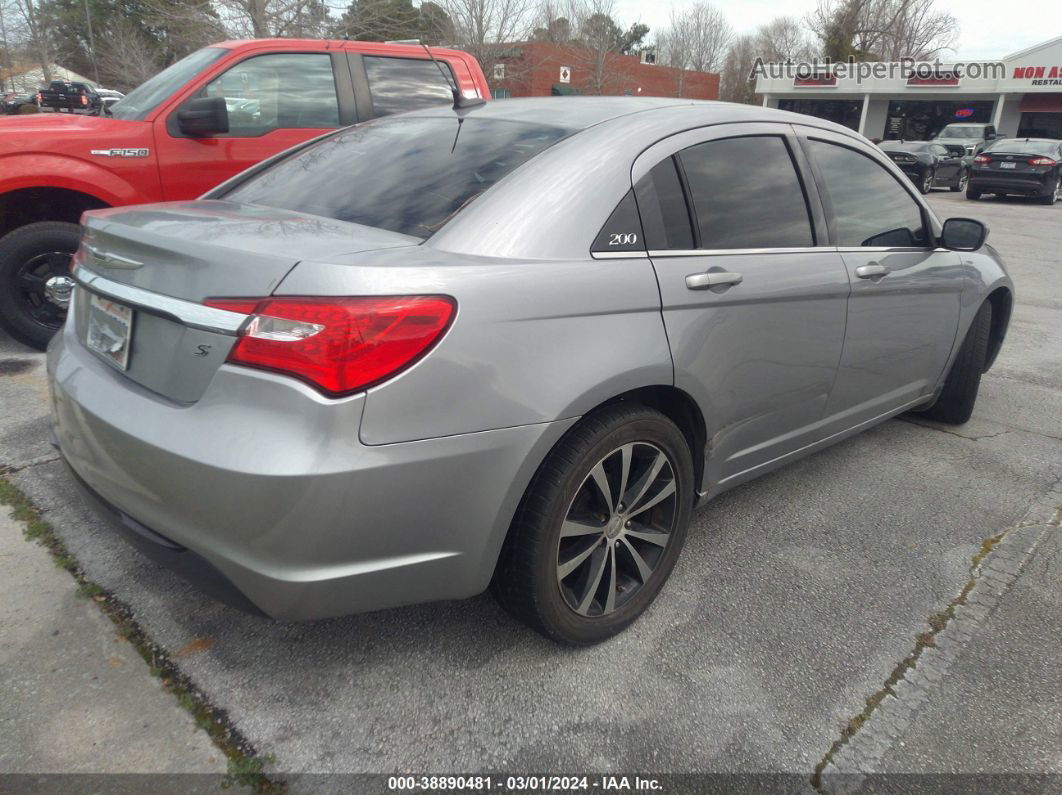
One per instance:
(512, 345)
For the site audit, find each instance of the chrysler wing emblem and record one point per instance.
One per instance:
(120, 152)
(105, 259)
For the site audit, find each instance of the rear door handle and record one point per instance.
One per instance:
(872, 270)
(703, 281)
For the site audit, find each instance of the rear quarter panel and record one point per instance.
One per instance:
(532, 342)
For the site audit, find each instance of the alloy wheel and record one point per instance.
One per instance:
(927, 182)
(616, 529)
(964, 179)
(31, 281)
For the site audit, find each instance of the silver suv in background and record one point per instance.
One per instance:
(971, 137)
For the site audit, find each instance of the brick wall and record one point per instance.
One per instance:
(533, 69)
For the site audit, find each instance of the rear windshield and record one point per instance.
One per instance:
(1019, 147)
(406, 174)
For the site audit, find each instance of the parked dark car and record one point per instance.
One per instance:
(928, 164)
(14, 100)
(63, 95)
(1024, 166)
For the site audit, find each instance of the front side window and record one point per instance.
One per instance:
(870, 207)
(401, 84)
(746, 194)
(406, 174)
(280, 90)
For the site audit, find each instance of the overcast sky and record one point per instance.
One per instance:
(988, 29)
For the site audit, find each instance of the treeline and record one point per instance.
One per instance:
(120, 43)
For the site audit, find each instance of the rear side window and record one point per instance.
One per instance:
(662, 203)
(746, 194)
(406, 174)
(401, 84)
(870, 208)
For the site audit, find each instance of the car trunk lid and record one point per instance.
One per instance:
(163, 261)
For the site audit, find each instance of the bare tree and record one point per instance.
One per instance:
(735, 78)
(696, 39)
(784, 39)
(36, 34)
(265, 18)
(488, 27)
(126, 58)
(883, 29)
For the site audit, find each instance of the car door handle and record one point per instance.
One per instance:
(872, 270)
(703, 281)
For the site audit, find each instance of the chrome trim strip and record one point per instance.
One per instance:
(193, 315)
(618, 254)
(729, 252)
(876, 249)
(718, 252)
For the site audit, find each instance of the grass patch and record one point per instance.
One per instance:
(246, 768)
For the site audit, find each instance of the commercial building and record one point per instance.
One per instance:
(1023, 98)
(540, 69)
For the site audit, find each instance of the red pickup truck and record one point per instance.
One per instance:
(209, 116)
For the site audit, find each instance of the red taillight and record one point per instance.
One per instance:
(1041, 161)
(339, 345)
(982, 159)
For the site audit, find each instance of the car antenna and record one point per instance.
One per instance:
(460, 100)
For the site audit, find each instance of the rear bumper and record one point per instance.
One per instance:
(1034, 184)
(262, 494)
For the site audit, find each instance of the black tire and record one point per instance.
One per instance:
(28, 256)
(1052, 197)
(928, 178)
(528, 581)
(961, 182)
(972, 193)
(956, 402)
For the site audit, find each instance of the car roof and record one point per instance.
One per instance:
(581, 112)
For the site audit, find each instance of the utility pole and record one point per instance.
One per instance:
(92, 43)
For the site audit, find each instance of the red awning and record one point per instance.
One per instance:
(1041, 103)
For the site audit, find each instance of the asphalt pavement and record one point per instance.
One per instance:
(795, 601)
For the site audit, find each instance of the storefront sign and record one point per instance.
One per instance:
(1039, 75)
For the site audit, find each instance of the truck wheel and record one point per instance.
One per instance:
(30, 256)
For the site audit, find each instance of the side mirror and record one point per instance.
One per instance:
(963, 234)
(203, 116)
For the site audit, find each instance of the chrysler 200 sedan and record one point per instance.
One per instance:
(511, 345)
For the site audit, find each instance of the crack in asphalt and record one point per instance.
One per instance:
(902, 678)
(982, 436)
(8, 469)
